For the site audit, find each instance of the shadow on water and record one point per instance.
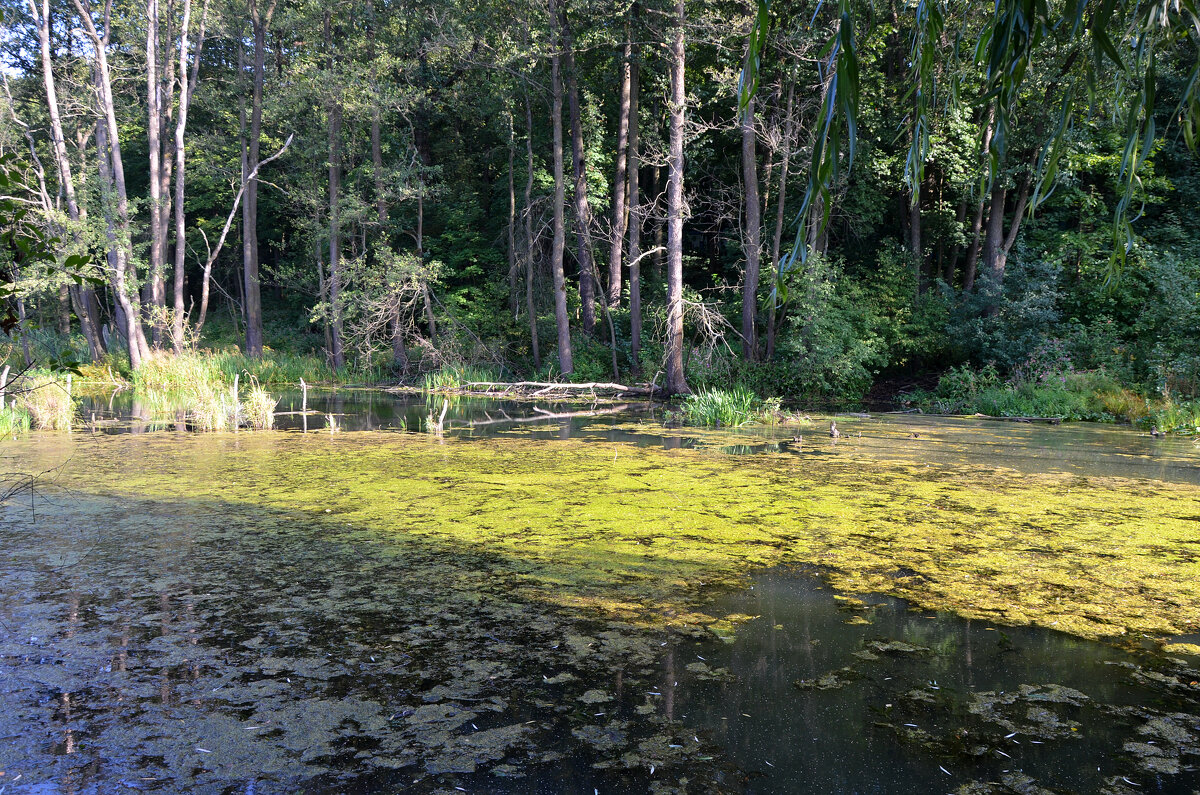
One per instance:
(271, 651)
(228, 645)
(822, 693)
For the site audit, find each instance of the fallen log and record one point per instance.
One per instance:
(546, 415)
(537, 388)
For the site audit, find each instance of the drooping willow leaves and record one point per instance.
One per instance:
(1086, 46)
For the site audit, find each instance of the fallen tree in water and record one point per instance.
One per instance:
(541, 388)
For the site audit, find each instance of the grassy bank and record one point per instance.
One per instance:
(1073, 396)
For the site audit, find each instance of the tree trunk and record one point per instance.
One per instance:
(914, 239)
(253, 300)
(556, 250)
(993, 242)
(977, 222)
(513, 298)
(158, 232)
(635, 223)
(335, 184)
(187, 84)
(113, 174)
(530, 308)
(583, 210)
(752, 234)
(620, 220)
(781, 204)
(676, 382)
(82, 296)
(998, 243)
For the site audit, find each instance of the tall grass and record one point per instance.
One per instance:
(449, 379)
(47, 402)
(202, 385)
(13, 421)
(724, 407)
(259, 408)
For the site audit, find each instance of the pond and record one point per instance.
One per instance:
(603, 603)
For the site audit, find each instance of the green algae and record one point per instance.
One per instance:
(638, 534)
(503, 567)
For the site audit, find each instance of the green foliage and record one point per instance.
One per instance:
(1182, 417)
(1032, 392)
(724, 407)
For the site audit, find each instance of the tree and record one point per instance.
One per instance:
(676, 382)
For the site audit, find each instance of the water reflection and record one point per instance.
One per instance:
(1082, 448)
(923, 717)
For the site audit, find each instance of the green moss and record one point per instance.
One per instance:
(640, 534)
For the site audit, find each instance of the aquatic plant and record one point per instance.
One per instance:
(258, 408)
(13, 421)
(449, 379)
(212, 407)
(725, 407)
(1182, 417)
(47, 401)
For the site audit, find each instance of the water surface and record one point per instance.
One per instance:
(509, 606)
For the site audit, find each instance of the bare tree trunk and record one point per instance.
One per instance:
(620, 216)
(66, 178)
(556, 250)
(781, 204)
(753, 233)
(583, 210)
(635, 223)
(253, 301)
(676, 382)
(113, 165)
(187, 84)
(158, 232)
(335, 184)
(530, 308)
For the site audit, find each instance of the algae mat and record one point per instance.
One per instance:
(391, 612)
(620, 531)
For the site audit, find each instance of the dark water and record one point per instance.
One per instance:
(919, 721)
(214, 646)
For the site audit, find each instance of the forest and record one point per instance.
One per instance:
(978, 208)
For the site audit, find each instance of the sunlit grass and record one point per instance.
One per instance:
(47, 402)
(727, 408)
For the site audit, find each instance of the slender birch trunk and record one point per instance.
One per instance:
(676, 381)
